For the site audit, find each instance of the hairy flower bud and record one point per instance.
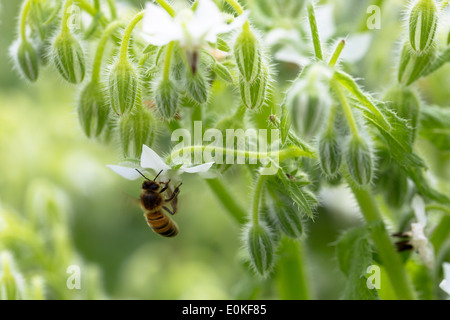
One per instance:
(261, 249)
(68, 57)
(123, 86)
(28, 60)
(404, 101)
(286, 215)
(197, 85)
(223, 72)
(136, 128)
(254, 94)
(247, 52)
(414, 65)
(93, 110)
(330, 154)
(359, 157)
(166, 98)
(423, 21)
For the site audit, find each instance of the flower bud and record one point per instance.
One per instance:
(404, 101)
(197, 85)
(253, 94)
(166, 98)
(11, 282)
(136, 128)
(93, 111)
(68, 57)
(330, 154)
(414, 65)
(247, 52)
(359, 160)
(223, 72)
(423, 21)
(123, 86)
(287, 215)
(28, 60)
(261, 249)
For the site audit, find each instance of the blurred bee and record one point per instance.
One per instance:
(153, 203)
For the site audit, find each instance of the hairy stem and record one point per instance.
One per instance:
(101, 49)
(168, 60)
(228, 200)
(166, 6)
(345, 108)
(236, 6)
(291, 272)
(127, 35)
(23, 20)
(389, 257)
(257, 195)
(112, 9)
(287, 153)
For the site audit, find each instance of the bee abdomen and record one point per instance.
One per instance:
(162, 224)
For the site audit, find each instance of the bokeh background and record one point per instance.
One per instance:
(60, 205)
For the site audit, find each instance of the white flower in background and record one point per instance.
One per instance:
(418, 240)
(445, 284)
(151, 160)
(191, 28)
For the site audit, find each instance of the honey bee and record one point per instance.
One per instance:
(153, 202)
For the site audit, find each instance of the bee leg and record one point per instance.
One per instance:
(166, 187)
(174, 193)
(168, 210)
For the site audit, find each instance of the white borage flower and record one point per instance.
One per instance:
(419, 241)
(445, 284)
(151, 160)
(191, 28)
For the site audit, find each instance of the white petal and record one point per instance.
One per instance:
(151, 160)
(445, 284)
(237, 23)
(125, 172)
(158, 27)
(207, 14)
(200, 168)
(419, 210)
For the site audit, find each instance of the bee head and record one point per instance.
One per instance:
(151, 186)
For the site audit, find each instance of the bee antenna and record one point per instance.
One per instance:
(143, 175)
(158, 175)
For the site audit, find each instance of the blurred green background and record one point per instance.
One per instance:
(62, 206)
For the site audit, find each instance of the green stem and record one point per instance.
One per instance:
(23, 20)
(112, 9)
(127, 35)
(166, 6)
(228, 201)
(236, 6)
(441, 233)
(389, 257)
(257, 198)
(345, 108)
(168, 60)
(101, 49)
(331, 119)
(291, 272)
(314, 31)
(284, 154)
(337, 53)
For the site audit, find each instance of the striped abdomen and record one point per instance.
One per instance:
(161, 224)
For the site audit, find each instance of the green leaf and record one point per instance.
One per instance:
(354, 255)
(294, 188)
(398, 138)
(435, 126)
